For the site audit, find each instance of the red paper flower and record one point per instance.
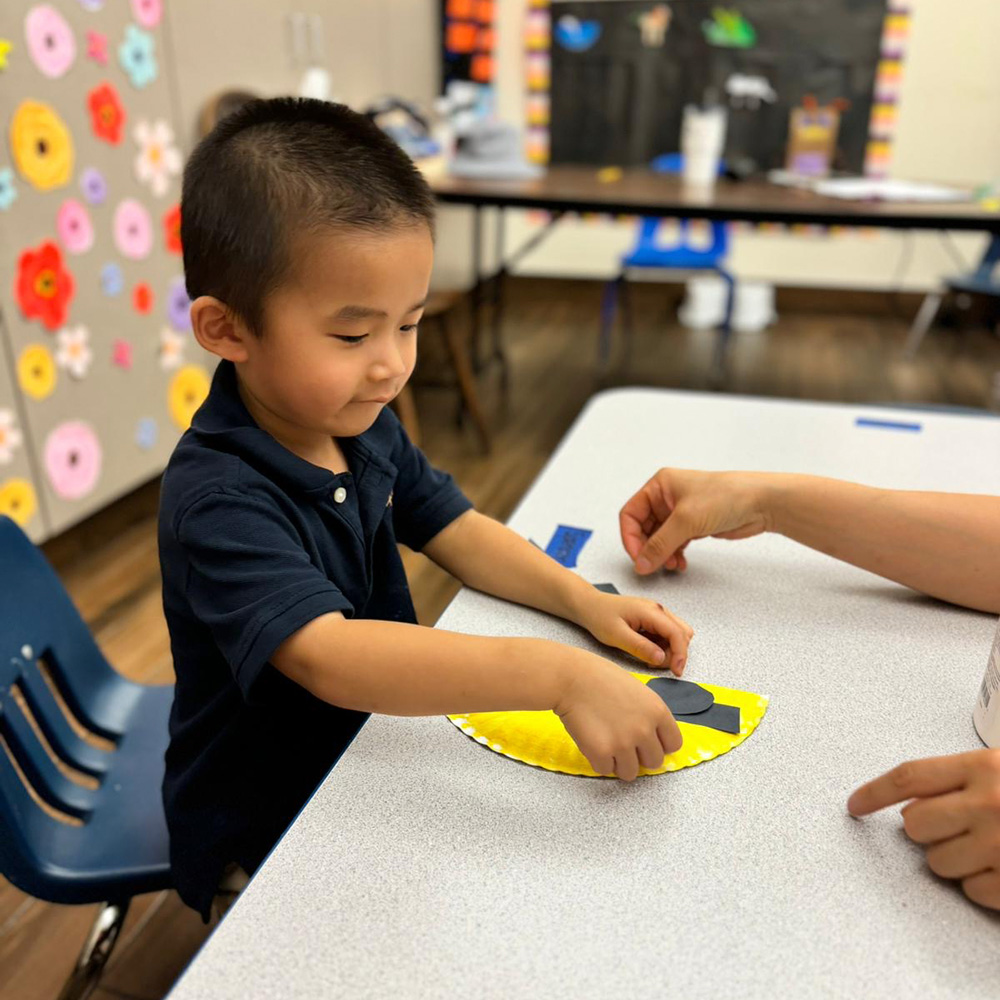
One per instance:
(43, 287)
(172, 229)
(142, 298)
(107, 116)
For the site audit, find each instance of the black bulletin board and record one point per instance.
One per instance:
(620, 101)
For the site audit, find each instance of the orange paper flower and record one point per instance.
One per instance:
(44, 287)
(107, 116)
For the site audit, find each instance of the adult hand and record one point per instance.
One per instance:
(953, 811)
(677, 506)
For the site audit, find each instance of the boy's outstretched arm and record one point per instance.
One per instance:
(488, 556)
(394, 668)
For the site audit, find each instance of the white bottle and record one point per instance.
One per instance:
(986, 714)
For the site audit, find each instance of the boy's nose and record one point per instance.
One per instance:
(390, 364)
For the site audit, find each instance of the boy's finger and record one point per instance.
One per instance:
(928, 821)
(641, 648)
(912, 780)
(959, 858)
(670, 736)
(651, 753)
(627, 765)
(674, 630)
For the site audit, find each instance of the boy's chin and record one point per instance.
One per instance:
(357, 422)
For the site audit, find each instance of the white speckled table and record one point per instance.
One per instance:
(427, 866)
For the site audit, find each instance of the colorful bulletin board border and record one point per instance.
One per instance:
(881, 124)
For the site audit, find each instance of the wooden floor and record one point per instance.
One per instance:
(831, 347)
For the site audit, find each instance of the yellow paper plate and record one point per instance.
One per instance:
(539, 738)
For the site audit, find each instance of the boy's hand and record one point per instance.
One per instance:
(616, 721)
(954, 812)
(640, 627)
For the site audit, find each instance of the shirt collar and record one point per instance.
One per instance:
(223, 423)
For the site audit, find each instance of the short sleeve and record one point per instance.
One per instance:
(250, 581)
(425, 500)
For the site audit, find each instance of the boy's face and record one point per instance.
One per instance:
(340, 336)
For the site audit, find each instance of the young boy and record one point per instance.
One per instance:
(307, 239)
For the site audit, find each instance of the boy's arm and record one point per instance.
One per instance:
(394, 668)
(488, 556)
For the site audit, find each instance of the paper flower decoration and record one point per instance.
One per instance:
(187, 391)
(10, 436)
(73, 352)
(51, 44)
(112, 280)
(107, 116)
(717, 720)
(172, 346)
(36, 371)
(142, 298)
(137, 56)
(158, 159)
(121, 355)
(44, 287)
(94, 186)
(41, 145)
(17, 501)
(146, 433)
(72, 459)
(74, 227)
(178, 305)
(8, 190)
(147, 12)
(172, 229)
(97, 47)
(132, 229)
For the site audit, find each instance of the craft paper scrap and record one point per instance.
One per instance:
(566, 544)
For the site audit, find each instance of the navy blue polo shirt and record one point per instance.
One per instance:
(256, 542)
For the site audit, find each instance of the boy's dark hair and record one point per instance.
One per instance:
(279, 168)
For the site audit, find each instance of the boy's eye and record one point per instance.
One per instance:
(409, 328)
(351, 340)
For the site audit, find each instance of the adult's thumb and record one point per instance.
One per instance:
(662, 544)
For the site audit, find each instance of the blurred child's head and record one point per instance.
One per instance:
(308, 246)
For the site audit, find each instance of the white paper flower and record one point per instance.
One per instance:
(171, 348)
(73, 352)
(10, 436)
(158, 159)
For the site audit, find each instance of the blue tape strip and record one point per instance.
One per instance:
(892, 425)
(566, 544)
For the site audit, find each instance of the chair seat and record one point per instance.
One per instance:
(679, 257)
(122, 850)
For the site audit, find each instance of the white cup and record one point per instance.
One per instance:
(703, 134)
(986, 714)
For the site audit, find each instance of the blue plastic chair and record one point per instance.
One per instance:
(99, 844)
(985, 280)
(681, 255)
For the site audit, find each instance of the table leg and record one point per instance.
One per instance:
(477, 284)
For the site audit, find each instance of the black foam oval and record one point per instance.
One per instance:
(682, 697)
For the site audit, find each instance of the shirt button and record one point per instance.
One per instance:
(339, 494)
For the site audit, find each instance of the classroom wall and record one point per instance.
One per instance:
(947, 128)
(372, 47)
(947, 131)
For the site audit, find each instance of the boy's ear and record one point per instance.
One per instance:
(217, 330)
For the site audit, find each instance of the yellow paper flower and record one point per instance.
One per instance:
(188, 389)
(539, 738)
(17, 501)
(42, 145)
(36, 371)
